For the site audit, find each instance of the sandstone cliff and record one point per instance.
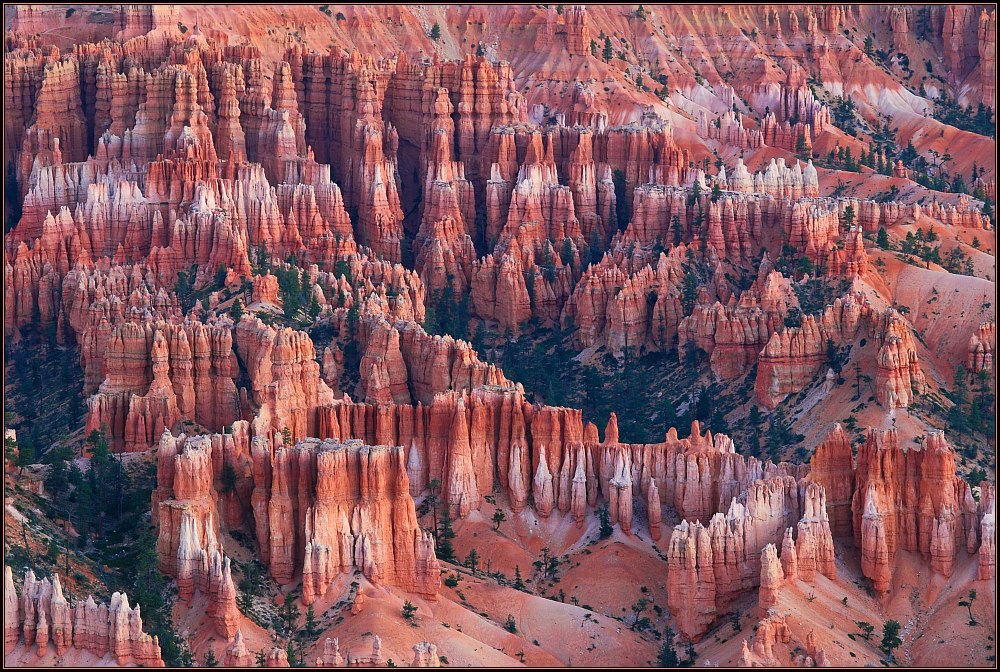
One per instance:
(294, 497)
(42, 617)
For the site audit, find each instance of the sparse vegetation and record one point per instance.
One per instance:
(978, 120)
(890, 637)
(498, 517)
(967, 602)
(409, 612)
(605, 517)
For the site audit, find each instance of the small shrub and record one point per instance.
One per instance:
(409, 611)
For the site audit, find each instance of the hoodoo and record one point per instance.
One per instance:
(475, 335)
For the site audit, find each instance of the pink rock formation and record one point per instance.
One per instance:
(358, 604)
(285, 377)
(982, 345)
(707, 568)
(988, 549)
(793, 356)
(188, 514)
(237, 654)
(331, 543)
(265, 289)
(898, 376)
(911, 500)
(833, 465)
(42, 616)
(276, 657)
(152, 155)
(136, 408)
(296, 510)
(771, 578)
(734, 334)
(653, 507)
(770, 631)
(814, 547)
(691, 578)
(331, 654)
(789, 559)
(425, 655)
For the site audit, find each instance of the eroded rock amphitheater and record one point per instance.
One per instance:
(546, 335)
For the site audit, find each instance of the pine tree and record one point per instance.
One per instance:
(498, 517)
(566, 252)
(607, 53)
(847, 218)
(472, 561)
(956, 415)
(25, 452)
(882, 238)
(409, 611)
(245, 601)
(529, 285)
(236, 311)
(605, 516)
(185, 291)
(353, 315)
(311, 623)
(668, 655)
(800, 145)
(890, 637)
(695, 193)
(518, 582)
(596, 250)
(967, 603)
(691, 653)
(445, 549)
(435, 32)
(289, 614)
(637, 608)
(10, 450)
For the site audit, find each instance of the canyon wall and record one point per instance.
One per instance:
(41, 617)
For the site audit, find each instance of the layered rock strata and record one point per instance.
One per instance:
(41, 617)
(318, 507)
